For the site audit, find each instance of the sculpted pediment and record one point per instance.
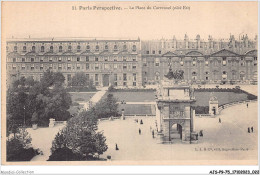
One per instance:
(194, 53)
(252, 53)
(224, 52)
(169, 54)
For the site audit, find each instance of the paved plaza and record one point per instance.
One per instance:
(228, 140)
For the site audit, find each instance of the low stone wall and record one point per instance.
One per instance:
(234, 103)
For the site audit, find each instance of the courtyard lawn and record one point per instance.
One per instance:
(202, 98)
(135, 96)
(81, 96)
(217, 144)
(134, 109)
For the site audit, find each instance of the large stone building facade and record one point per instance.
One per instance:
(134, 63)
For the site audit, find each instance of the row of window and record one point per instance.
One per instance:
(87, 59)
(206, 63)
(79, 48)
(79, 66)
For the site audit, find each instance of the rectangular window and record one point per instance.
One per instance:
(32, 59)
(147, 52)
(153, 51)
(96, 77)
(134, 67)
(23, 66)
(32, 67)
(96, 66)
(78, 66)
(78, 58)
(115, 66)
(160, 52)
(124, 77)
(124, 83)
(157, 64)
(96, 59)
(14, 59)
(87, 66)
(69, 67)
(134, 83)
(41, 59)
(115, 77)
(134, 77)
(59, 67)
(134, 59)
(87, 58)
(41, 67)
(14, 67)
(124, 59)
(50, 59)
(50, 67)
(69, 59)
(124, 66)
(59, 59)
(23, 59)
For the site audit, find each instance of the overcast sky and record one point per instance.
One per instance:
(57, 19)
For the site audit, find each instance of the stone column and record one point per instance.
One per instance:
(158, 117)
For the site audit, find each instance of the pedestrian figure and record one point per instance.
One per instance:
(141, 122)
(248, 130)
(139, 131)
(252, 129)
(153, 133)
(247, 105)
(201, 133)
(219, 120)
(117, 147)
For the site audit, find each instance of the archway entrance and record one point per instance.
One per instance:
(105, 80)
(214, 110)
(176, 131)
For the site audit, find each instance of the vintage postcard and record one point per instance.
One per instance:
(129, 83)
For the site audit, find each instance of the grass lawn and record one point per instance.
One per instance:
(135, 96)
(82, 95)
(202, 98)
(137, 109)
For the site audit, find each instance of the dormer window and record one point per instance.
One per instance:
(78, 48)
(115, 47)
(124, 48)
(106, 47)
(42, 48)
(134, 48)
(60, 48)
(24, 48)
(15, 48)
(88, 47)
(33, 48)
(97, 47)
(51, 49)
(69, 48)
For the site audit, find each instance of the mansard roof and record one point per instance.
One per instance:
(251, 53)
(224, 52)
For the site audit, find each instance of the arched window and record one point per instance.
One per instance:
(24, 48)
(106, 47)
(42, 48)
(15, 48)
(134, 48)
(78, 48)
(60, 48)
(88, 47)
(69, 48)
(51, 49)
(33, 48)
(124, 47)
(97, 47)
(115, 47)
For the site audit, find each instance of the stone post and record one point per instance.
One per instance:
(52, 123)
(123, 115)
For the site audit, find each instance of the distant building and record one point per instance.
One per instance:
(132, 62)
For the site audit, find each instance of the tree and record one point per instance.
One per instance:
(107, 107)
(81, 136)
(80, 79)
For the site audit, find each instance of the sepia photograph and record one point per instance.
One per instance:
(129, 83)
